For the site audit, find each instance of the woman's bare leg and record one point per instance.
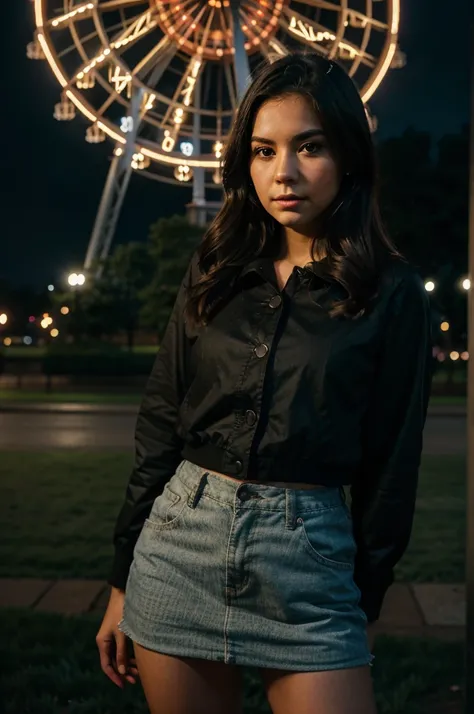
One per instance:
(184, 685)
(339, 691)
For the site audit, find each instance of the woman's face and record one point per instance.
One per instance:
(290, 155)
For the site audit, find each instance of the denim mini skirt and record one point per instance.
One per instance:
(247, 574)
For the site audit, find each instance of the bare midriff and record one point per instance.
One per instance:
(280, 484)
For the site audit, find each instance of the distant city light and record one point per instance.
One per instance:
(3, 319)
(465, 355)
(454, 355)
(50, 288)
(444, 326)
(466, 283)
(64, 310)
(7, 341)
(27, 340)
(31, 318)
(76, 279)
(54, 332)
(429, 286)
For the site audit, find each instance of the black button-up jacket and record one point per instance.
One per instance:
(276, 390)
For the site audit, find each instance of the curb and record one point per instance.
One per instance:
(68, 408)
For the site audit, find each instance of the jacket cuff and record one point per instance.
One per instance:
(373, 587)
(120, 568)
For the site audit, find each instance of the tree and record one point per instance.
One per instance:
(424, 203)
(112, 302)
(172, 242)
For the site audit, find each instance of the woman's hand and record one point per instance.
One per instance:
(112, 644)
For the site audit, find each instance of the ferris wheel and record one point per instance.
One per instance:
(162, 79)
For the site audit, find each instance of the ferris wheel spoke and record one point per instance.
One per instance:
(229, 80)
(155, 63)
(355, 17)
(139, 27)
(183, 93)
(80, 11)
(314, 34)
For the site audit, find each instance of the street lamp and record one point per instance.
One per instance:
(76, 279)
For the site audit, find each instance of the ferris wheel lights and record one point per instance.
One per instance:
(183, 173)
(52, 62)
(34, 51)
(186, 148)
(64, 111)
(80, 105)
(94, 134)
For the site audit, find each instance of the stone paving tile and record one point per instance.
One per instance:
(103, 599)
(71, 597)
(446, 634)
(22, 592)
(442, 604)
(400, 608)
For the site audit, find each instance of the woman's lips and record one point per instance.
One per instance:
(289, 202)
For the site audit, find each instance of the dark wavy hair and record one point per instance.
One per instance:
(351, 232)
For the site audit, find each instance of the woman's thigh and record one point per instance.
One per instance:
(184, 685)
(337, 691)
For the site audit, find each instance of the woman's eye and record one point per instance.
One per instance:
(259, 151)
(312, 147)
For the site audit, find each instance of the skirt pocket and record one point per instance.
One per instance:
(326, 534)
(168, 507)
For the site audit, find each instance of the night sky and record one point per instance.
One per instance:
(52, 179)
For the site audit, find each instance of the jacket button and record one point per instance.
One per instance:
(275, 301)
(261, 350)
(238, 466)
(251, 417)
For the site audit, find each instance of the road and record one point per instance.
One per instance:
(26, 430)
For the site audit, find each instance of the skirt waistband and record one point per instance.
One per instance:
(197, 482)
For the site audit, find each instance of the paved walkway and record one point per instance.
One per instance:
(418, 609)
(442, 410)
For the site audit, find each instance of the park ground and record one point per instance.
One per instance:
(57, 514)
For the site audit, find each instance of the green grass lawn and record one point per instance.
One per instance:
(9, 396)
(50, 665)
(57, 512)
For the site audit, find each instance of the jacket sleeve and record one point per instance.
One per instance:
(384, 495)
(157, 445)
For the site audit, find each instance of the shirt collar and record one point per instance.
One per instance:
(261, 266)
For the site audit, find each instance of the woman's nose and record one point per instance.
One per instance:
(286, 169)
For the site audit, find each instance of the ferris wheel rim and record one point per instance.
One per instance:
(76, 96)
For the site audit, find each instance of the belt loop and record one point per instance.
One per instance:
(194, 496)
(290, 521)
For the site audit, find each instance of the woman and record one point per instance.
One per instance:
(296, 361)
